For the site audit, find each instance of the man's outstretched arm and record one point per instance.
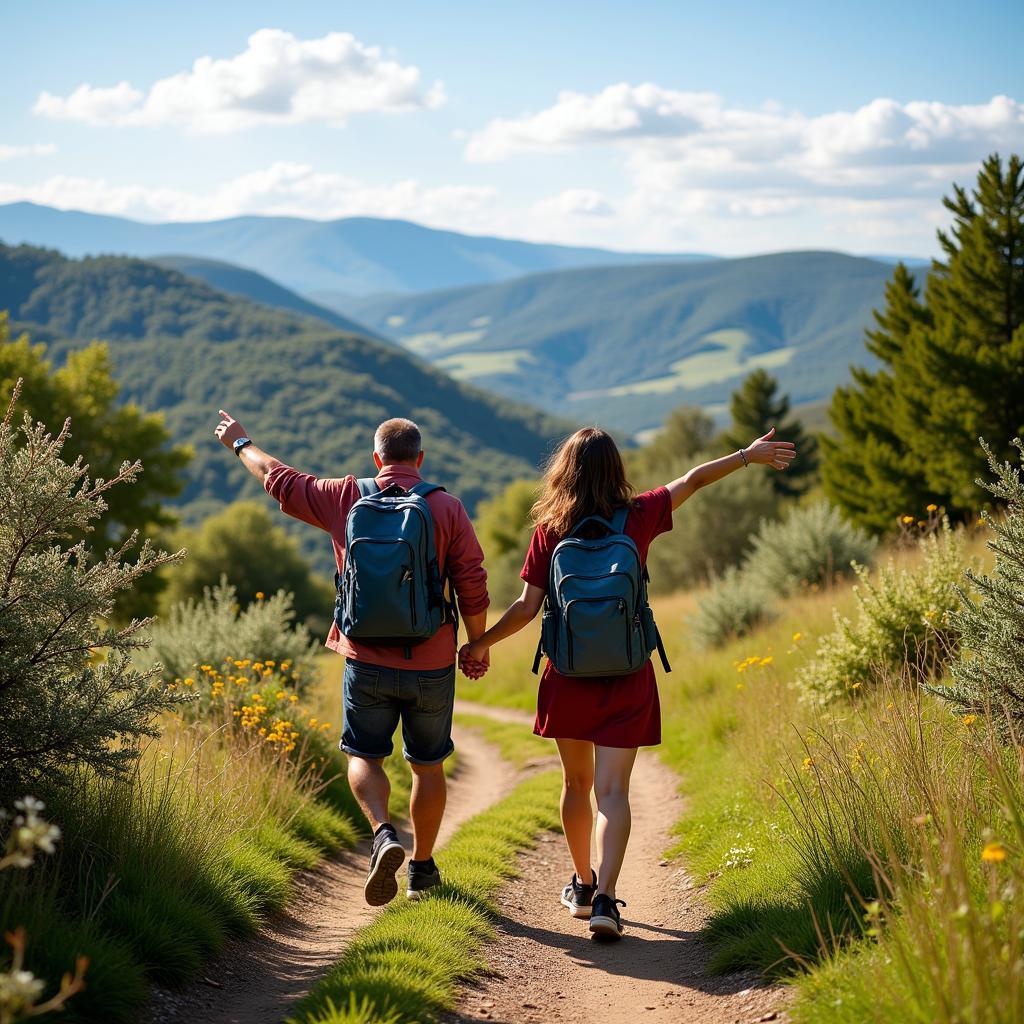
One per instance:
(256, 460)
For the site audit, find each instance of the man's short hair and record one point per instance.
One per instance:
(398, 440)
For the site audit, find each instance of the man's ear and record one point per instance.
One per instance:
(419, 459)
(378, 461)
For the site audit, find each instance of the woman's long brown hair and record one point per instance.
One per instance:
(584, 477)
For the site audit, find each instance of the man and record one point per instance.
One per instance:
(387, 684)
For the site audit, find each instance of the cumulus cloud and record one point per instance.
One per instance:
(694, 140)
(34, 149)
(277, 79)
(285, 189)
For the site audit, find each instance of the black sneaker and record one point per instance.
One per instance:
(605, 921)
(578, 897)
(386, 857)
(423, 875)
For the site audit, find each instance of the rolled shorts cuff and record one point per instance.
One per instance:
(437, 760)
(352, 752)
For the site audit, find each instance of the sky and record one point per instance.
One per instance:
(721, 127)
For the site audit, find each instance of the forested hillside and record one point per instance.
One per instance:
(310, 394)
(625, 345)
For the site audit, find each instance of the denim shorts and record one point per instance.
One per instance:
(376, 698)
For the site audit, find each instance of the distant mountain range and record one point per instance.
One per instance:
(333, 259)
(310, 393)
(623, 346)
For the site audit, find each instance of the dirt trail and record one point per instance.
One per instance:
(256, 981)
(546, 968)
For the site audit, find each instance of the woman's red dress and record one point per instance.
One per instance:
(618, 711)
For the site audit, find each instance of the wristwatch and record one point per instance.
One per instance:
(239, 443)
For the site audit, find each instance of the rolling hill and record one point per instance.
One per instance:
(311, 394)
(228, 277)
(625, 345)
(352, 256)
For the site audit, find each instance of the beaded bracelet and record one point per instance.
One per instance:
(743, 456)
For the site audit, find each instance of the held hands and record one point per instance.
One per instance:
(777, 454)
(229, 430)
(474, 660)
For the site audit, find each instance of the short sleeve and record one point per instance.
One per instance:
(651, 515)
(538, 559)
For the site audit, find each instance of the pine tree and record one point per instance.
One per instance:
(952, 367)
(755, 408)
(990, 672)
(69, 693)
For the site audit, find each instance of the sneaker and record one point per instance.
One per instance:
(578, 897)
(605, 921)
(423, 875)
(386, 857)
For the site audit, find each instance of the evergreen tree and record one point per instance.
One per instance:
(952, 367)
(755, 408)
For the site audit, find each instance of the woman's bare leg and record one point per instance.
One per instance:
(613, 766)
(577, 814)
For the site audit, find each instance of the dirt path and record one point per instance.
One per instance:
(256, 981)
(547, 968)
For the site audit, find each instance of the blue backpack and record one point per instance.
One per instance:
(597, 621)
(391, 591)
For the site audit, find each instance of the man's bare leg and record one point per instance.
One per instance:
(426, 807)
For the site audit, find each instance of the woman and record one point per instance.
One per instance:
(598, 724)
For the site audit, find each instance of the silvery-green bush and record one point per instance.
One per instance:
(812, 546)
(205, 632)
(731, 607)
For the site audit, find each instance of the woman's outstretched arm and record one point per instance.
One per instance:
(520, 613)
(764, 451)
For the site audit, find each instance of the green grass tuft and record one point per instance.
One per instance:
(409, 963)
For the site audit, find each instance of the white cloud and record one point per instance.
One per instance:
(285, 189)
(574, 202)
(277, 79)
(34, 149)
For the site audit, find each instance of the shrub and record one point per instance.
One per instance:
(68, 691)
(732, 607)
(812, 546)
(196, 633)
(504, 528)
(990, 671)
(904, 626)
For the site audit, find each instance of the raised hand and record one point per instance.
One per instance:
(474, 660)
(229, 430)
(769, 452)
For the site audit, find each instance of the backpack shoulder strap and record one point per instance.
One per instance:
(619, 519)
(423, 488)
(367, 485)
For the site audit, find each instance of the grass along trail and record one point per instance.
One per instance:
(545, 966)
(257, 981)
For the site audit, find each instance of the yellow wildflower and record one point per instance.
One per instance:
(293, 698)
(907, 520)
(808, 763)
(797, 637)
(280, 695)
(932, 508)
(768, 660)
(994, 853)
(269, 662)
(969, 719)
(260, 595)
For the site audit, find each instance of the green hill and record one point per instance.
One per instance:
(624, 345)
(235, 280)
(310, 394)
(353, 255)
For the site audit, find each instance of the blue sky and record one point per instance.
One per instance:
(722, 127)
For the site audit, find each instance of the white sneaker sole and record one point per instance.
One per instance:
(574, 910)
(606, 927)
(381, 885)
(419, 894)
